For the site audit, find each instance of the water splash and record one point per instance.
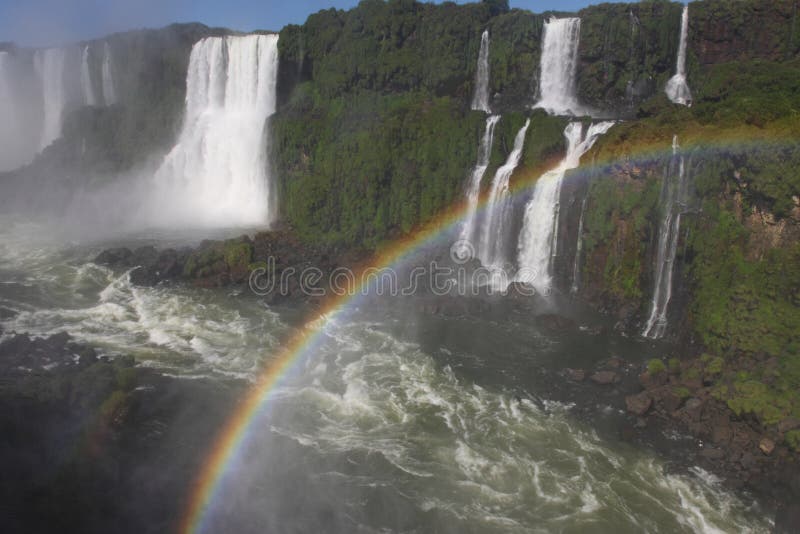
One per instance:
(217, 174)
(677, 89)
(538, 238)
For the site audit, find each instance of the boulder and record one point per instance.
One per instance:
(576, 375)
(605, 378)
(766, 445)
(638, 404)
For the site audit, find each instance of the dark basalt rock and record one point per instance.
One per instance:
(605, 378)
(638, 404)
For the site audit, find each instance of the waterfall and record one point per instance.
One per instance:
(559, 65)
(49, 66)
(9, 155)
(490, 247)
(673, 199)
(109, 94)
(217, 173)
(86, 79)
(480, 100)
(474, 184)
(538, 238)
(576, 268)
(677, 89)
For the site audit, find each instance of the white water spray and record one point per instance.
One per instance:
(474, 185)
(538, 238)
(677, 89)
(490, 247)
(480, 100)
(217, 174)
(49, 66)
(109, 93)
(86, 79)
(559, 66)
(674, 196)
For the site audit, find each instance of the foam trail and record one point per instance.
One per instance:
(677, 89)
(217, 174)
(537, 240)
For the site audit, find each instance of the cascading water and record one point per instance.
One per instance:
(576, 268)
(490, 247)
(537, 240)
(49, 65)
(86, 79)
(677, 89)
(674, 195)
(8, 158)
(480, 101)
(109, 93)
(474, 185)
(559, 65)
(217, 174)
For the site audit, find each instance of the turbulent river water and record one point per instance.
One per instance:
(399, 421)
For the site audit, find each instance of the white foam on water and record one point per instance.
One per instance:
(479, 455)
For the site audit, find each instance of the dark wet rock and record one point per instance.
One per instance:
(665, 398)
(114, 257)
(576, 375)
(713, 454)
(615, 363)
(520, 290)
(787, 519)
(650, 381)
(554, 322)
(605, 378)
(638, 404)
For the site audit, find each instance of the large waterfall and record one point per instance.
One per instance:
(480, 100)
(537, 240)
(674, 195)
(109, 93)
(86, 79)
(490, 249)
(217, 174)
(559, 65)
(474, 184)
(677, 89)
(49, 65)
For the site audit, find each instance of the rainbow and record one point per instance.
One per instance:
(234, 434)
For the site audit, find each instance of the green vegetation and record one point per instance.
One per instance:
(656, 367)
(793, 439)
